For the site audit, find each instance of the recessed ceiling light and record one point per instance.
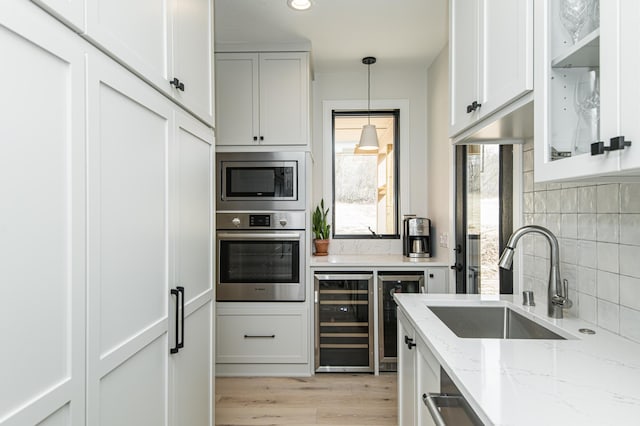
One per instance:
(299, 4)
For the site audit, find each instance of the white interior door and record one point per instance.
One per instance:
(193, 55)
(42, 219)
(130, 130)
(192, 211)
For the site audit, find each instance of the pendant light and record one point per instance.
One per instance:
(369, 136)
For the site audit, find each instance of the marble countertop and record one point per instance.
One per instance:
(374, 261)
(585, 380)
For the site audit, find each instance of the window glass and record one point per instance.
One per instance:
(365, 183)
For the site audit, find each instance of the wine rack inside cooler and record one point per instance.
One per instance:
(344, 322)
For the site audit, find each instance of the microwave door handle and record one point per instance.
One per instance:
(259, 236)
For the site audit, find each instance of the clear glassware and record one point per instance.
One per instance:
(574, 14)
(587, 105)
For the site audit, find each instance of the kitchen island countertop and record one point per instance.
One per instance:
(585, 380)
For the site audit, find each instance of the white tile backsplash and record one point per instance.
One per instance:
(609, 286)
(629, 198)
(609, 315)
(598, 228)
(608, 227)
(630, 229)
(608, 198)
(607, 257)
(587, 199)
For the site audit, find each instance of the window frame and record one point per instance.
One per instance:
(358, 112)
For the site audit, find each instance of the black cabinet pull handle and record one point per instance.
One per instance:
(409, 342)
(175, 349)
(474, 106)
(618, 143)
(255, 138)
(615, 144)
(598, 148)
(259, 336)
(261, 138)
(177, 83)
(181, 344)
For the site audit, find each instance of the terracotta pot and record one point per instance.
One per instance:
(322, 247)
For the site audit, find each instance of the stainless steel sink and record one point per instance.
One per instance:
(491, 322)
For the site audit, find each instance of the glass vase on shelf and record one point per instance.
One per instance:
(587, 106)
(574, 15)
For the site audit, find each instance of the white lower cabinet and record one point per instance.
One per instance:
(418, 374)
(254, 334)
(42, 220)
(437, 280)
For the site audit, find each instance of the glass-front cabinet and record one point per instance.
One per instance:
(587, 62)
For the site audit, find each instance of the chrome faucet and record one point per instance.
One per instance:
(558, 297)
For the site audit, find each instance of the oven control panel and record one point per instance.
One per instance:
(258, 220)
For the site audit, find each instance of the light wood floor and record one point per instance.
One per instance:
(328, 399)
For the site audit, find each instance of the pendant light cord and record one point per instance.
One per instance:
(369, 94)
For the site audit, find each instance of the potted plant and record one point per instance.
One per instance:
(320, 229)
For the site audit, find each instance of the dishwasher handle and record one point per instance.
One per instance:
(429, 400)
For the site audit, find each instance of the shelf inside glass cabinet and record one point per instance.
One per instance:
(585, 53)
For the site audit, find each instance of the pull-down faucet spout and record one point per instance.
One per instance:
(558, 297)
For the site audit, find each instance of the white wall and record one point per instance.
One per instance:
(387, 83)
(439, 154)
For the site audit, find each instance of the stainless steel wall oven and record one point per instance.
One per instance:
(260, 256)
(260, 181)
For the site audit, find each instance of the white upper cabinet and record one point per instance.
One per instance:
(168, 43)
(262, 98)
(491, 58)
(587, 92)
(71, 12)
(193, 56)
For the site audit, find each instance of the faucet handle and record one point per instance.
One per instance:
(563, 299)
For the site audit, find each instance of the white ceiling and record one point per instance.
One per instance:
(341, 32)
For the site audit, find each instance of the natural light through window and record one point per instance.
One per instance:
(365, 182)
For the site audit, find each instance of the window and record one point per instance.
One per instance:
(365, 183)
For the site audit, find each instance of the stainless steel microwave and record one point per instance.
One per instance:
(261, 181)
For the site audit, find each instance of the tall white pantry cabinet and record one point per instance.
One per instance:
(105, 238)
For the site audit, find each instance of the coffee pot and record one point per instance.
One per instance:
(416, 236)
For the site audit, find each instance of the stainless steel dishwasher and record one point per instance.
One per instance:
(449, 408)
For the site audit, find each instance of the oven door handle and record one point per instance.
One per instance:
(259, 236)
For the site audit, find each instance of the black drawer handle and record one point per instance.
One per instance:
(181, 344)
(259, 336)
(176, 348)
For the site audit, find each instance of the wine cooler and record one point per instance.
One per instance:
(344, 322)
(390, 283)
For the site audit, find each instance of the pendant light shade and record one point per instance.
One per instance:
(369, 136)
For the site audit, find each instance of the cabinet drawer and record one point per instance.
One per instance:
(261, 338)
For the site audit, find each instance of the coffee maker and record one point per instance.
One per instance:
(416, 237)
